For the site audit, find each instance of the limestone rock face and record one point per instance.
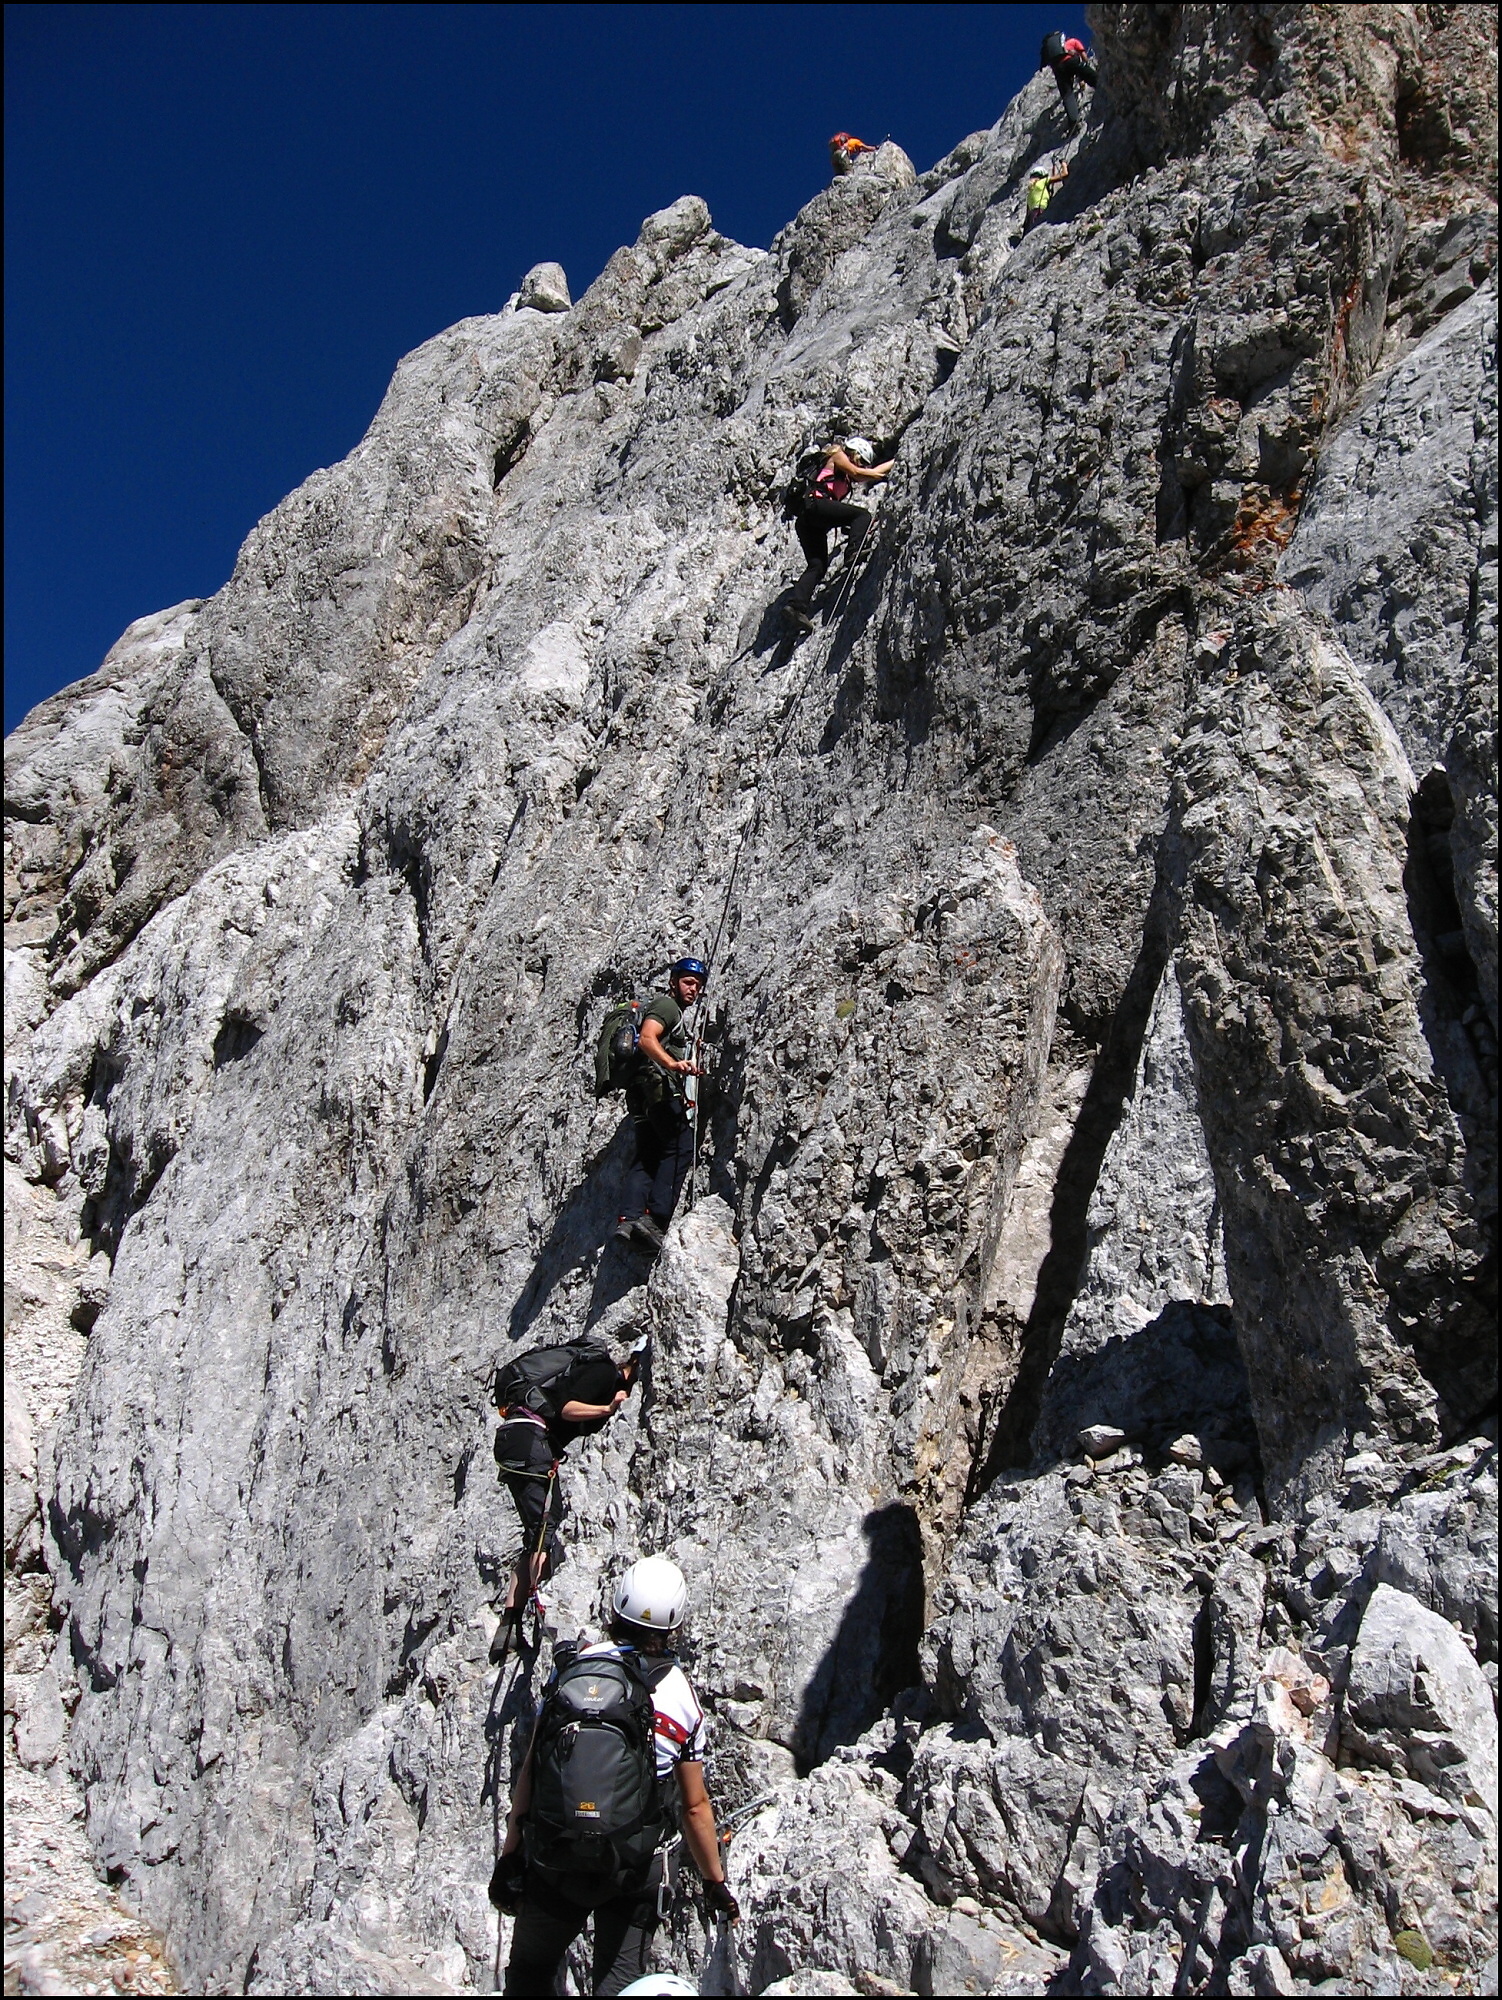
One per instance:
(1070, 1384)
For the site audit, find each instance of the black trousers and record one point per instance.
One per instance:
(664, 1154)
(814, 523)
(525, 1458)
(1067, 74)
(548, 1924)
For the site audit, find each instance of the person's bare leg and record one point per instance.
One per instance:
(532, 1567)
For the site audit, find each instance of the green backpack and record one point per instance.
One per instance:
(616, 1058)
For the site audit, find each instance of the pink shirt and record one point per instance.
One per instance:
(832, 484)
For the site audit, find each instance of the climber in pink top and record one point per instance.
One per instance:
(825, 505)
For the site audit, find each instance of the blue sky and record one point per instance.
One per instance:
(224, 225)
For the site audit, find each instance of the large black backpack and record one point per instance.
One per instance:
(597, 1814)
(800, 486)
(530, 1380)
(1053, 49)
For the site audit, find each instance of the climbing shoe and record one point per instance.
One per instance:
(798, 620)
(646, 1230)
(625, 1228)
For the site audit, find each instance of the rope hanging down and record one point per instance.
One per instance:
(852, 571)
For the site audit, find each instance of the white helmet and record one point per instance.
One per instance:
(660, 1982)
(652, 1593)
(861, 450)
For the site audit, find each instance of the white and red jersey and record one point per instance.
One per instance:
(679, 1719)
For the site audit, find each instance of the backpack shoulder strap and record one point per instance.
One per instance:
(655, 1668)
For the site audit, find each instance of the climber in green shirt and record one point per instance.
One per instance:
(662, 1122)
(1040, 186)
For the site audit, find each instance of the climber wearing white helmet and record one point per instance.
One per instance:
(824, 503)
(1041, 183)
(613, 1776)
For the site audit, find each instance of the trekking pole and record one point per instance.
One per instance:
(495, 1977)
(696, 1054)
(495, 1735)
(534, 1567)
(695, 1050)
(748, 1811)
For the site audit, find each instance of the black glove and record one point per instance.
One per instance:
(507, 1882)
(720, 1902)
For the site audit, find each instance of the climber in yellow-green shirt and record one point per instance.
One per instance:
(1041, 183)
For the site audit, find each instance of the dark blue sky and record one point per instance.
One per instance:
(225, 224)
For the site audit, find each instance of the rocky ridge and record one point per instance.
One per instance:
(1072, 1390)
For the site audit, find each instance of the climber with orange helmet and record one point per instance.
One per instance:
(845, 149)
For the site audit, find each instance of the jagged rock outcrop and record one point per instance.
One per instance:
(1104, 1033)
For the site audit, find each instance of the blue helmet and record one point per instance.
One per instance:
(694, 966)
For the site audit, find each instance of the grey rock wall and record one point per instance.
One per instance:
(1103, 1033)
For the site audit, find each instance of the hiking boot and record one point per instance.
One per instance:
(646, 1230)
(797, 618)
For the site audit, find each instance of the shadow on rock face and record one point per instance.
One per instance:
(1181, 1372)
(1451, 1325)
(874, 1653)
(583, 1224)
(1018, 1421)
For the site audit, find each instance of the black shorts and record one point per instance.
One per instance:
(524, 1458)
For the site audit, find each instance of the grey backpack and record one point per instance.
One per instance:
(597, 1814)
